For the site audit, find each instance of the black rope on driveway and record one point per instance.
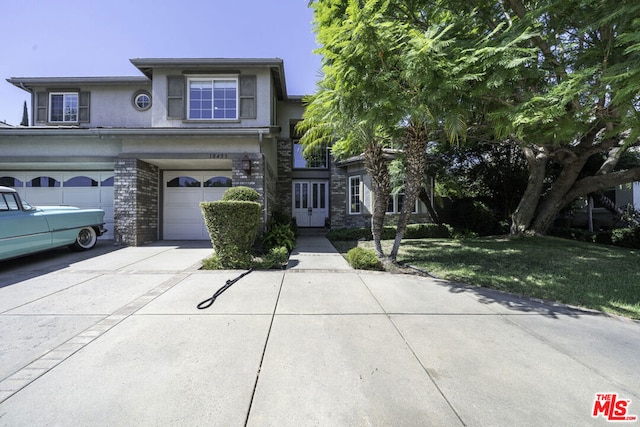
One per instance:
(209, 302)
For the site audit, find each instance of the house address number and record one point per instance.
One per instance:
(217, 155)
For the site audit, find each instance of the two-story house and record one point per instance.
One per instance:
(148, 148)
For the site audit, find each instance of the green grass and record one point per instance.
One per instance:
(582, 274)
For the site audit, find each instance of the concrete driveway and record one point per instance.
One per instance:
(113, 337)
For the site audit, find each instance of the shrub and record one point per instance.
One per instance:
(280, 231)
(425, 231)
(240, 194)
(363, 259)
(275, 258)
(414, 231)
(278, 235)
(475, 216)
(626, 237)
(211, 263)
(233, 227)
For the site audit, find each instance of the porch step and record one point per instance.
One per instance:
(312, 231)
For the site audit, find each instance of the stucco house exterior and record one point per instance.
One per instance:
(148, 148)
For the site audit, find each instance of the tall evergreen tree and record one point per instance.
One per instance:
(25, 115)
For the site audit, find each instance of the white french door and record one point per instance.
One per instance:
(310, 203)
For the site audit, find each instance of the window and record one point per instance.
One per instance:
(63, 107)
(218, 181)
(213, 99)
(142, 101)
(396, 202)
(355, 195)
(9, 181)
(183, 181)
(8, 202)
(43, 181)
(81, 181)
(315, 160)
(107, 182)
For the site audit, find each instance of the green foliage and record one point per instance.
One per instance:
(25, 115)
(363, 259)
(428, 231)
(593, 276)
(233, 227)
(276, 258)
(212, 263)
(475, 216)
(241, 193)
(278, 235)
(623, 237)
(626, 237)
(280, 231)
(414, 231)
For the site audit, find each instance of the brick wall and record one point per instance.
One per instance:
(285, 183)
(254, 180)
(135, 204)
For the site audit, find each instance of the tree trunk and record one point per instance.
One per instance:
(378, 169)
(554, 201)
(424, 198)
(416, 157)
(582, 188)
(526, 210)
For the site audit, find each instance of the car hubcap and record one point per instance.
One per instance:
(84, 238)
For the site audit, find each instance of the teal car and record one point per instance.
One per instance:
(25, 229)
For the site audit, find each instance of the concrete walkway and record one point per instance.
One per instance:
(113, 337)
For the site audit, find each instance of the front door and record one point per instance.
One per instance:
(310, 203)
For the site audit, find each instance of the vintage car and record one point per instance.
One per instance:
(25, 229)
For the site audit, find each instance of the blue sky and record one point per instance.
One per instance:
(78, 38)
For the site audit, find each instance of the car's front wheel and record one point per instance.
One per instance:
(86, 239)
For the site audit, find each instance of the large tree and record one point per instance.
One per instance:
(386, 68)
(560, 78)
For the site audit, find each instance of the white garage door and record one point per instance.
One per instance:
(183, 192)
(83, 189)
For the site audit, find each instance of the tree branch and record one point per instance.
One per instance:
(601, 182)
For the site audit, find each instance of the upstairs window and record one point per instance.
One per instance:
(316, 159)
(70, 107)
(63, 107)
(213, 98)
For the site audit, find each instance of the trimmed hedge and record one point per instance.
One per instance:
(240, 193)
(233, 228)
(414, 231)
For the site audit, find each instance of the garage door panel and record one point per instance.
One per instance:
(183, 230)
(213, 194)
(83, 189)
(184, 196)
(44, 196)
(181, 213)
(81, 197)
(182, 217)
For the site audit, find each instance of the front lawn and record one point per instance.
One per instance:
(593, 276)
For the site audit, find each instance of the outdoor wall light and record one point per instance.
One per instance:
(246, 164)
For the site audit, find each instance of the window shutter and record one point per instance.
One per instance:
(42, 98)
(84, 99)
(248, 97)
(175, 97)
